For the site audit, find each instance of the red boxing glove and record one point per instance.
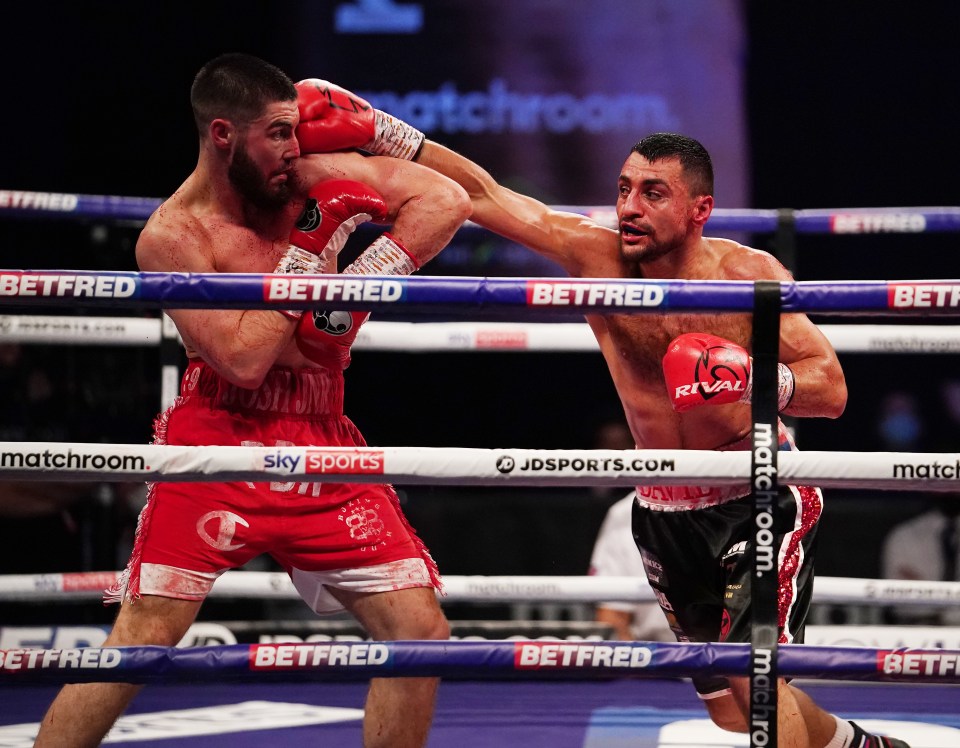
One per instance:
(326, 337)
(333, 119)
(703, 369)
(333, 211)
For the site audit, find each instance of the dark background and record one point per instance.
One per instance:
(847, 105)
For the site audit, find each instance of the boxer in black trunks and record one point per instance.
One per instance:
(664, 198)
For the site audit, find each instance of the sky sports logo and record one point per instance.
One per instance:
(328, 461)
(333, 462)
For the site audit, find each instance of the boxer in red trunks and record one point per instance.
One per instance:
(275, 378)
(681, 388)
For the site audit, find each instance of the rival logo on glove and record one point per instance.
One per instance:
(701, 369)
(715, 374)
(708, 390)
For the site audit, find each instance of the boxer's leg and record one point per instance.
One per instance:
(398, 711)
(83, 713)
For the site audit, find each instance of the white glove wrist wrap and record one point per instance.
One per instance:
(383, 257)
(394, 137)
(786, 384)
(297, 261)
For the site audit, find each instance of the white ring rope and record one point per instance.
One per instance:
(424, 337)
(74, 586)
(45, 461)
(39, 329)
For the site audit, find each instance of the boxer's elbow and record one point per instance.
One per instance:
(244, 368)
(452, 203)
(438, 216)
(247, 375)
(248, 379)
(835, 397)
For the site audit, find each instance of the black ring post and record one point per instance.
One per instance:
(764, 604)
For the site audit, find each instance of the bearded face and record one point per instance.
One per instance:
(255, 187)
(652, 250)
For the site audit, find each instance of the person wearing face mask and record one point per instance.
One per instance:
(900, 424)
(926, 547)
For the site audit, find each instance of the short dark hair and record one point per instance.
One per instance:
(694, 158)
(237, 87)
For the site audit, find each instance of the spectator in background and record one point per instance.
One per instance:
(926, 547)
(612, 433)
(34, 405)
(615, 555)
(46, 518)
(947, 423)
(900, 426)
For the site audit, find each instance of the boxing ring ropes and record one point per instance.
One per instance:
(492, 297)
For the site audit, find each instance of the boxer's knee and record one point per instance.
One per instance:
(726, 713)
(152, 619)
(728, 706)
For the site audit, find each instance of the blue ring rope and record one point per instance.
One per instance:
(452, 295)
(515, 660)
(905, 220)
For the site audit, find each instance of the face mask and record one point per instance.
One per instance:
(900, 429)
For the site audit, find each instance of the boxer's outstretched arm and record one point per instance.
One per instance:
(333, 119)
(569, 239)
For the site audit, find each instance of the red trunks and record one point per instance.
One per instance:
(352, 535)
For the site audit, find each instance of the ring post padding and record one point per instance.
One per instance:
(764, 604)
